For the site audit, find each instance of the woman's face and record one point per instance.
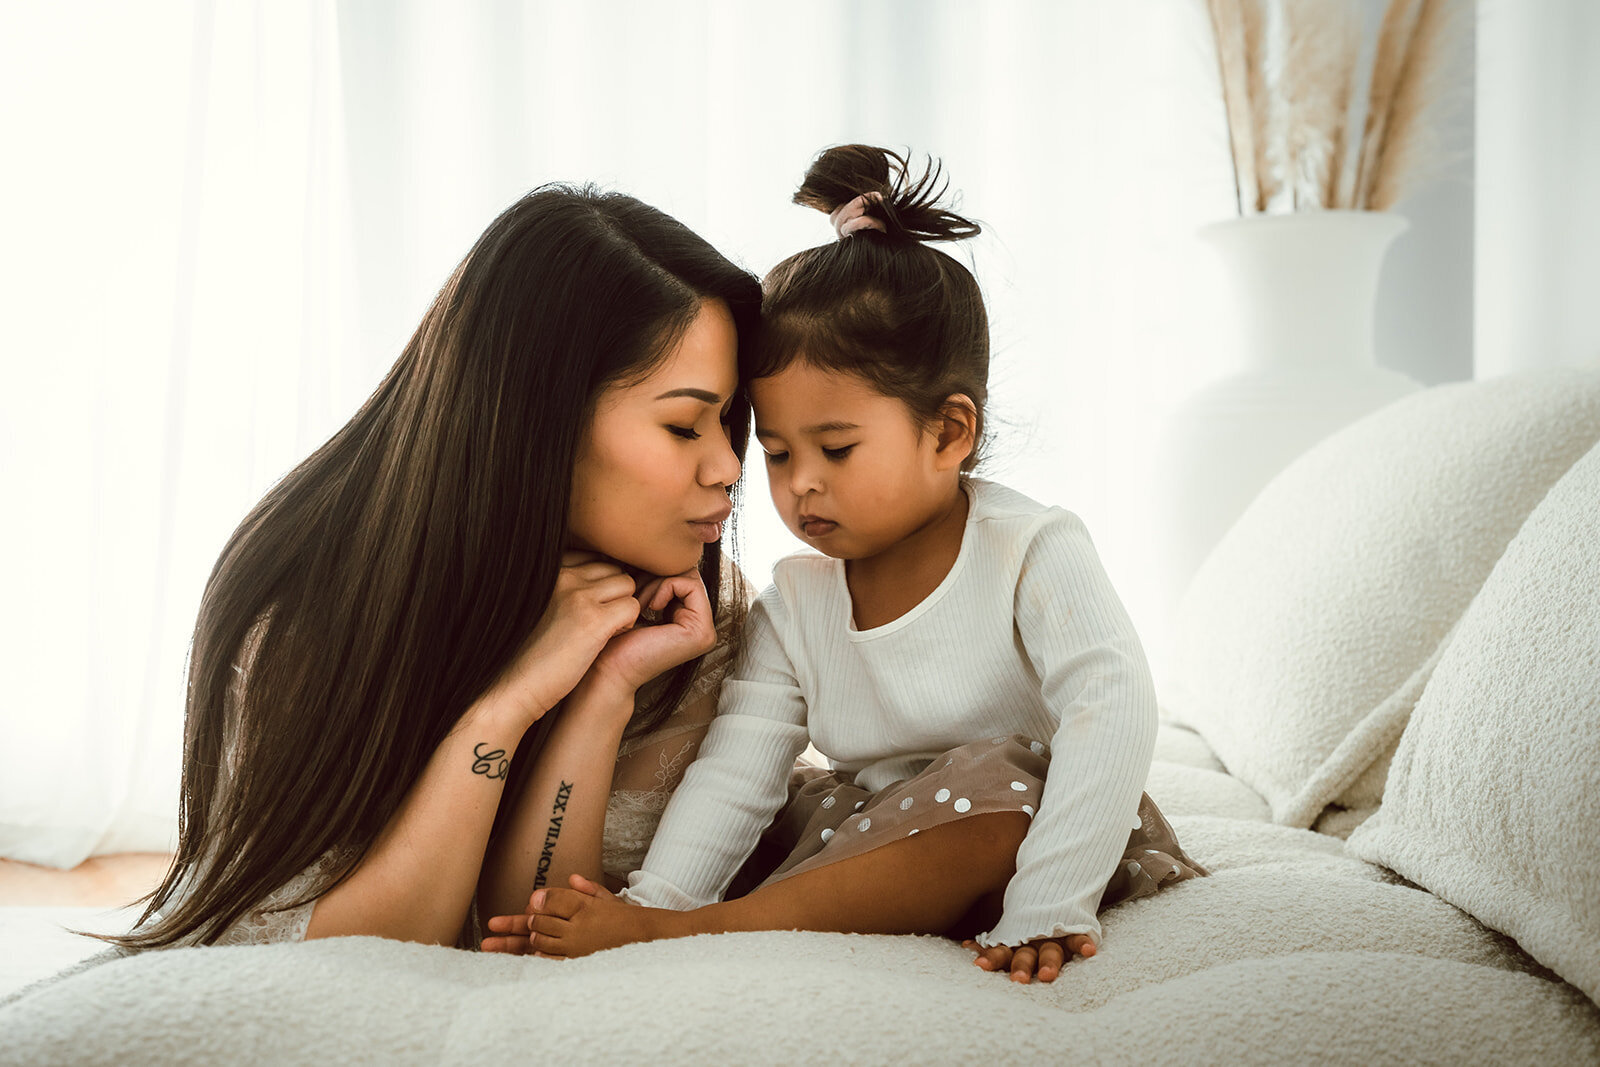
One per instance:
(650, 488)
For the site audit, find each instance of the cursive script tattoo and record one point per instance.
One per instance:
(490, 764)
(546, 854)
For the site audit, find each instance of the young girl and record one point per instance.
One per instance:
(956, 650)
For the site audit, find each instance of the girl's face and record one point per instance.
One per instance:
(852, 471)
(650, 487)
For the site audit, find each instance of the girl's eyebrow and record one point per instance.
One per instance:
(830, 427)
(821, 427)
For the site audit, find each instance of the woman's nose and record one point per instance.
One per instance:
(722, 467)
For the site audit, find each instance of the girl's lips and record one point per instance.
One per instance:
(813, 527)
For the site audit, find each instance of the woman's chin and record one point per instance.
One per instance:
(660, 560)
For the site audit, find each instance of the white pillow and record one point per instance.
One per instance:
(1308, 633)
(1493, 801)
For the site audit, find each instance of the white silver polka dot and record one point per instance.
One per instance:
(1019, 787)
(827, 833)
(913, 833)
(860, 804)
(905, 805)
(942, 795)
(827, 802)
(1028, 809)
(864, 824)
(1038, 749)
(963, 805)
(997, 740)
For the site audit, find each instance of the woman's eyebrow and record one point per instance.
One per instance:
(703, 395)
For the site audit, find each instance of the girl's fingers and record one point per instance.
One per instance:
(1081, 945)
(546, 926)
(1023, 963)
(561, 903)
(997, 958)
(1051, 957)
(510, 946)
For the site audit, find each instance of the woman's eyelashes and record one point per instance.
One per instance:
(689, 433)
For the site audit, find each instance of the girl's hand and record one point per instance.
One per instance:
(1044, 956)
(593, 602)
(686, 630)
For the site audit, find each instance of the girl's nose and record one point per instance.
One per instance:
(803, 477)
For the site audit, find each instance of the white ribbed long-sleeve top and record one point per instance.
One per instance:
(1024, 635)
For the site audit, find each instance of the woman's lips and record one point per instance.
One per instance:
(709, 529)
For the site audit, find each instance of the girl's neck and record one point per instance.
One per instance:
(885, 586)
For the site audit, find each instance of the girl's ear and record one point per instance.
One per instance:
(958, 431)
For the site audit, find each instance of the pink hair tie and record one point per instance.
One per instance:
(848, 218)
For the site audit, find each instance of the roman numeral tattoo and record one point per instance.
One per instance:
(547, 854)
(490, 764)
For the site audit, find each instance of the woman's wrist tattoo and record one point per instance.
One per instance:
(490, 764)
(547, 854)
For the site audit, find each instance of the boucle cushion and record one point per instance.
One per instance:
(1309, 632)
(1493, 800)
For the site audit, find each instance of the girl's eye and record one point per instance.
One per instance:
(688, 433)
(837, 453)
(775, 458)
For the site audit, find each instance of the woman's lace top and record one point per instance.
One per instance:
(649, 767)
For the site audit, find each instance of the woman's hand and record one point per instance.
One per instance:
(686, 630)
(593, 602)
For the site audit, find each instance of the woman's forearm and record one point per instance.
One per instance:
(417, 881)
(556, 826)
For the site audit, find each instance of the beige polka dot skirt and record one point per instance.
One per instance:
(829, 818)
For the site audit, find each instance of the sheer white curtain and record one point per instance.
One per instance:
(178, 332)
(229, 216)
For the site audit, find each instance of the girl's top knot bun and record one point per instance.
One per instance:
(907, 207)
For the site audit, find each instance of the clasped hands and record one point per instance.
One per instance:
(589, 637)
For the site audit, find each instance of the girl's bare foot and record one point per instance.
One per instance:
(587, 918)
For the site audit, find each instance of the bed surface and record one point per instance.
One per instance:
(1290, 948)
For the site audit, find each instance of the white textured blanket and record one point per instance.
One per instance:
(1290, 949)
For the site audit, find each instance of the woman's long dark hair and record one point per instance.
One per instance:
(395, 573)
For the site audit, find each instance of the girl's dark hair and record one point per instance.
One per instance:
(881, 304)
(387, 580)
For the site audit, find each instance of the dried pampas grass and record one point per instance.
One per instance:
(1237, 61)
(1407, 145)
(1289, 71)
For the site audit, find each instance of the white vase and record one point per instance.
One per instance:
(1305, 286)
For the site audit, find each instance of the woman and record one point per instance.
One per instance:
(549, 461)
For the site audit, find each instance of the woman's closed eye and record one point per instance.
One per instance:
(688, 433)
(837, 454)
